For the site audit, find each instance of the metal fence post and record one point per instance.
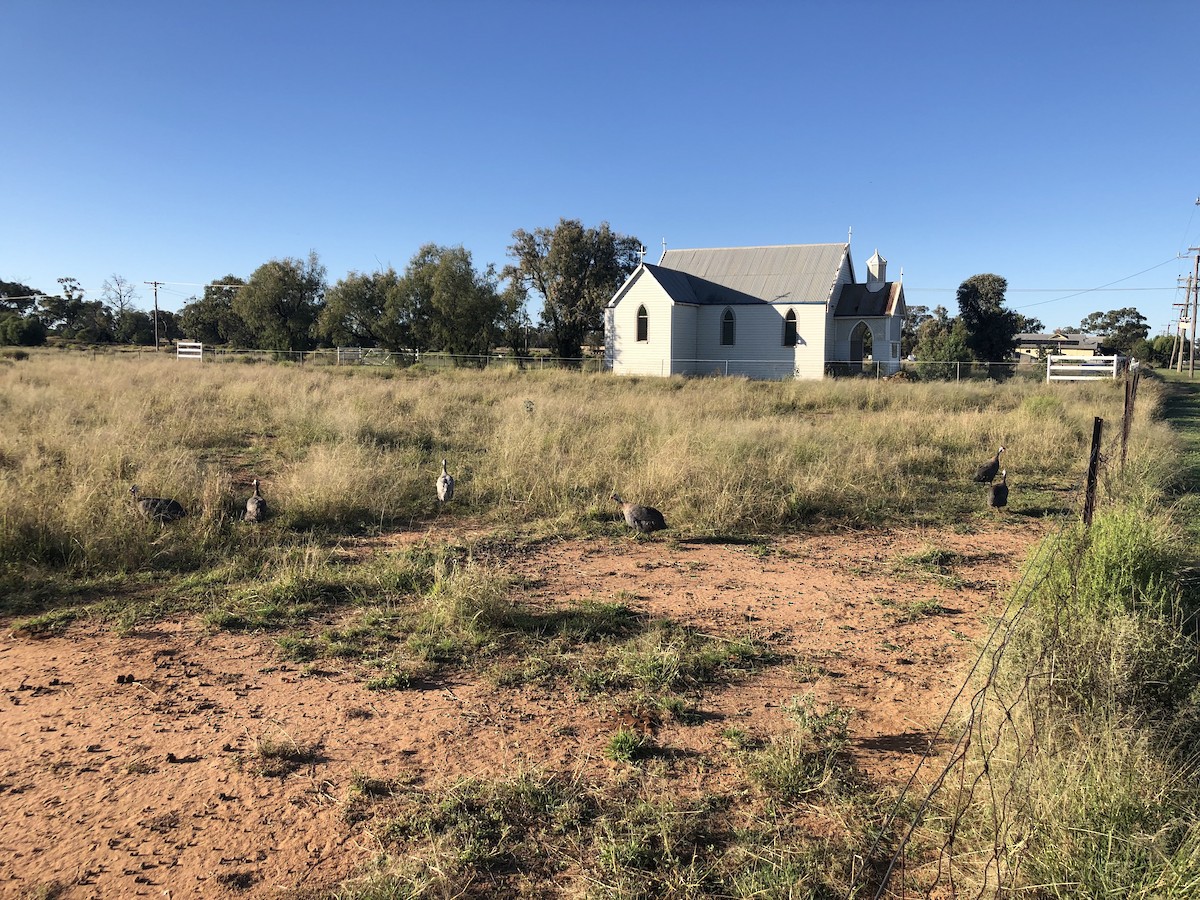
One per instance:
(1089, 500)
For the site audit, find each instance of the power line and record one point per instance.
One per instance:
(1055, 290)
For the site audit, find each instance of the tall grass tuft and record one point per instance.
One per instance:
(1108, 815)
(1081, 779)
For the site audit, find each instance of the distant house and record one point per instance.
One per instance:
(793, 311)
(1061, 343)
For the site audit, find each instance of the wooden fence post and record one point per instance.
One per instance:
(1131, 383)
(1089, 500)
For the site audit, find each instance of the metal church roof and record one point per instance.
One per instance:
(676, 284)
(790, 273)
(857, 301)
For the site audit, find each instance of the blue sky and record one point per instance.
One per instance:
(1053, 143)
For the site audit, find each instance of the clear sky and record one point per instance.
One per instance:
(1054, 143)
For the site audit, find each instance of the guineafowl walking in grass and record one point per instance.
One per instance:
(160, 509)
(998, 493)
(256, 505)
(642, 519)
(987, 472)
(445, 485)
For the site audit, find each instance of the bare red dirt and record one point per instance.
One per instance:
(128, 762)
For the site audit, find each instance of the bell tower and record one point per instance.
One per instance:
(876, 272)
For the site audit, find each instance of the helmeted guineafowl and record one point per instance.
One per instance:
(256, 505)
(642, 519)
(998, 493)
(160, 509)
(445, 485)
(987, 472)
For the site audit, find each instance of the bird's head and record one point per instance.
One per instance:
(1001, 450)
(617, 497)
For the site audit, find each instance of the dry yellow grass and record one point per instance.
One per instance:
(346, 449)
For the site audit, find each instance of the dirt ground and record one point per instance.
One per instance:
(123, 756)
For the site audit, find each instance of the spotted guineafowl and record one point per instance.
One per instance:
(160, 509)
(256, 505)
(998, 493)
(987, 472)
(445, 485)
(642, 519)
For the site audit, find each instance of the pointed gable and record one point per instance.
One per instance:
(674, 284)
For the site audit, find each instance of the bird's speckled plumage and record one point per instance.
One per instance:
(642, 519)
(445, 485)
(256, 505)
(998, 493)
(160, 509)
(987, 472)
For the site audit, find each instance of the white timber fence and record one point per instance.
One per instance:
(1084, 368)
(189, 350)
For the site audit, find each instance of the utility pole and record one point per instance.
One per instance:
(155, 284)
(1181, 328)
(1195, 310)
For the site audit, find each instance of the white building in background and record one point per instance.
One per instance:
(763, 312)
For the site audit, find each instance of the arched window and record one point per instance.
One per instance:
(789, 329)
(728, 329)
(643, 324)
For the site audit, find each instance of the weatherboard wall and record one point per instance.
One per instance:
(627, 355)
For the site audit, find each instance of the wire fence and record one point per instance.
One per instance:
(775, 370)
(999, 734)
(923, 370)
(995, 727)
(367, 356)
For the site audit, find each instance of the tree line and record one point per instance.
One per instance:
(441, 301)
(985, 330)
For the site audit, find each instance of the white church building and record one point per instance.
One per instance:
(792, 311)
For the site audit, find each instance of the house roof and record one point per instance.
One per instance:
(856, 300)
(791, 273)
(1060, 338)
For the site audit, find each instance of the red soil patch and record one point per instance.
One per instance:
(147, 785)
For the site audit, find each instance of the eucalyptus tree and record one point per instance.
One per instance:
(17, 298)
(59, 311)
(467, 307)
(362, 309)
(444, 303)
(1119, 329)
(941, 345)
(991, 329)
(19, 322)
(119, 294)
(211, 318)
(281, 301)
(575, 270)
